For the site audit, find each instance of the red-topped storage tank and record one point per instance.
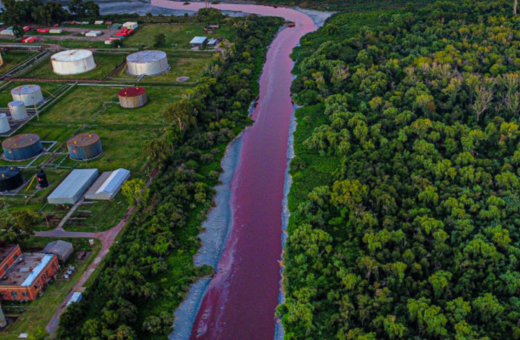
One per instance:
(132, 97)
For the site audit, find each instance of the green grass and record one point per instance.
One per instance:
(177, 36)
(96, 109)
(76, 43)
(105, 64)
(93, 26)
(180, 66)
(39, 312)
(98, 215)
(13, 59)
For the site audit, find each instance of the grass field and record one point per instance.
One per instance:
(180, 66)
(39, 312)
(13, 59)
(177, 36)
(98, 216)
(105, 64)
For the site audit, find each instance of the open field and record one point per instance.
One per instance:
(97, 216)
(105, 64)
(184, 65)
(13, 59)
(177, 36)
(39, 312)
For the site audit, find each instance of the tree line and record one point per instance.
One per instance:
(149, 270)
(406, 196)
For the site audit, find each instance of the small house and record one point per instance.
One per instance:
(61, 249)
(131, 25)
(198, 41)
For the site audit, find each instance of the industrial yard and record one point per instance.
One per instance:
(72, 127)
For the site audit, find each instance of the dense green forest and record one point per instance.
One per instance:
(406, 197)
(347, 5)
(149, 270)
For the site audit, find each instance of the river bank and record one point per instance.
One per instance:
(249, 212)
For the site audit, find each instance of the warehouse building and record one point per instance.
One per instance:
(108, 185)
(24, 276)
(198, 41)
(73, 187)
(61, 249)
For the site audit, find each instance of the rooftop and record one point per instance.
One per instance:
(6, 250)
(20, 141)
(25, 89)
(146, 56)
(83, 139)
(24, 272)
(71, 55)
(198, 40)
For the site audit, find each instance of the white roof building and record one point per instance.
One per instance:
(73, 187)
(198, 41)
(108, 185)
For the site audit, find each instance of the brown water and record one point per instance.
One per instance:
(242, 297)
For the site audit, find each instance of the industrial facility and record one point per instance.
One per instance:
(73, 187)
(132, 97)
(25, 275)
(4, 123)
(84, 146)
(22, 147)
(29, 94)
(148, 63)
(108, 185)
(10, 178)
(18, 110)
(72, 62)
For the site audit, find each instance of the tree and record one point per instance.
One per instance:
(91, 9)
(181, 114)
(158, 151)
(18, 225)
(39, 334)
(76, 7)
(135, 191)
(159, 40)
(515, 7)
(18, 31)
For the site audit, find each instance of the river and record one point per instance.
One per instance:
(244, 232)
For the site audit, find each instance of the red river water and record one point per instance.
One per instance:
(242, 297)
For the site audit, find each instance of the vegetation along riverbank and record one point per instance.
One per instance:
(149, 270)
(405, 200)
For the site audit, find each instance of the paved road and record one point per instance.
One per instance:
(107, 238)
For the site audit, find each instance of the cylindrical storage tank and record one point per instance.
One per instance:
(10, 178)
(18, 110)
(84, 146)
(4, 123)
(21, 147)
(148, 63)
(43, 182)
(132, 97)
(73, 62)
(29, 94)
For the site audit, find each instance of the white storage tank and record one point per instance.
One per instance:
(73, 62)
(149, 63)
(29, 94)
(4, 123)
(18, 110)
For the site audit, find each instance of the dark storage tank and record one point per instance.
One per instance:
(42, 179)
(21, 147)
(10, 178)
(84, 146)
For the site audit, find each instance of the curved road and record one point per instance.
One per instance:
(242, 296)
